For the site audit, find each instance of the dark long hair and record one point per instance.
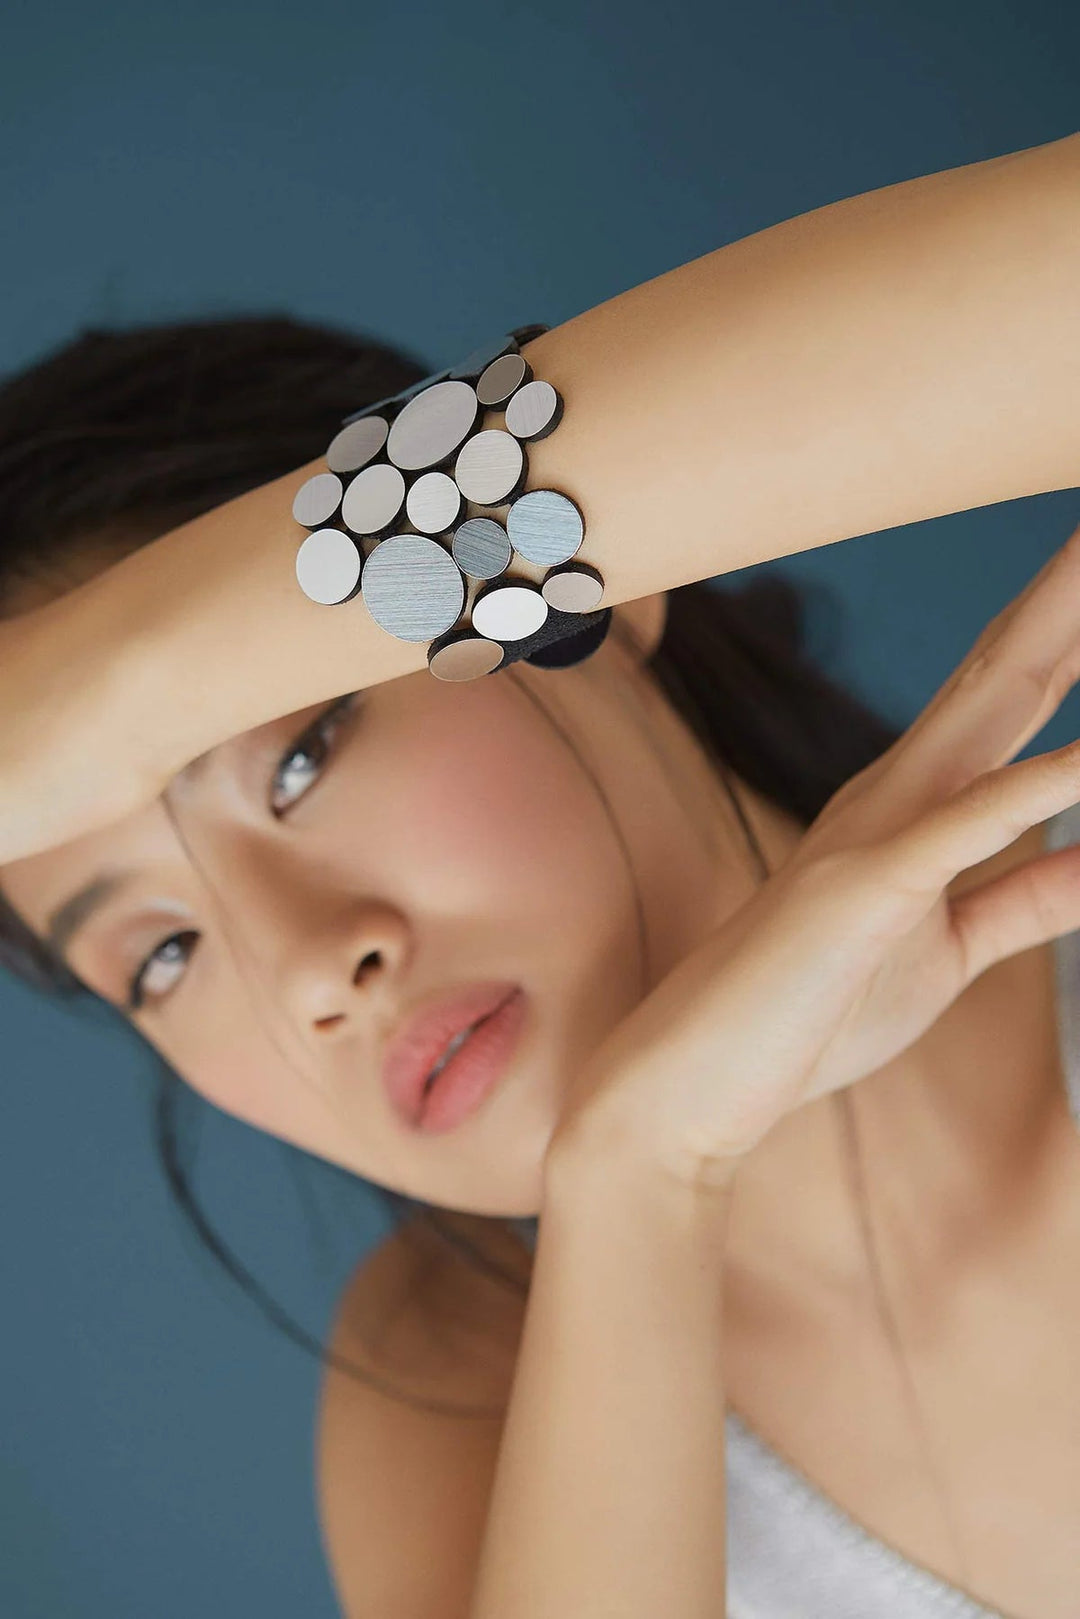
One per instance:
(119, 436)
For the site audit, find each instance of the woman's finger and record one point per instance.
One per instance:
(979, 821)
(1027, 906)
(1011, 682)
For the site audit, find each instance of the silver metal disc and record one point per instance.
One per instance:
(573, 590)
(509, 612)
(316, 501)
(465, 658)
(534, 410)
(482, 548)
(373, 499)
(413, 587)
(432, 425)
(433, 503)
(489, 466)
(544, 526)
(357, 444)
(499, 379)
(328, 566)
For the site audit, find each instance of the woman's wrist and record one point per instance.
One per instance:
(587, 1169)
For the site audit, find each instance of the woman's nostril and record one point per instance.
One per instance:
(368, 963)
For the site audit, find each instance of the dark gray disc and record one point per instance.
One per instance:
(357, 444)
(464, 657)
(489, 466)
(482, 548)
(433, 503)
(432, 425)
(575, 589)
(509, 611)
(534, 410)
(373, 499)
(328, 566)
(413, 587)
(316, 501)
(472, 365)
(545, 527)
(499, 379)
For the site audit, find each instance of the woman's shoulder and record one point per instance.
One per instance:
(396, 1469)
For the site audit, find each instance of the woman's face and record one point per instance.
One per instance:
(430, 837)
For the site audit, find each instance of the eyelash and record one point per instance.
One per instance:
(314, 736)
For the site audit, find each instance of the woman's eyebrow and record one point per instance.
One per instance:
(66, 920)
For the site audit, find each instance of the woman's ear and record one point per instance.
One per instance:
(646, 618)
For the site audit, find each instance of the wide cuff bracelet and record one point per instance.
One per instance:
(390, 520)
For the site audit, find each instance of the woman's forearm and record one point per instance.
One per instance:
(609, 1488)
(901, 354)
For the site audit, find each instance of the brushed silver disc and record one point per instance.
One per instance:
(413, 587)
(534, 410)
(482, 548)
(357, 444)
(316, 501)
(573, 590)
(546, 527)
(432, 425)
(328, 566)
(465, 658)
(433, 503)
(509, 612)
(499, 379)
(373, 499)
(489, 467)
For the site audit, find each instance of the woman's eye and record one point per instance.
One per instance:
(300, 766)
(295, 773)
(165, 954)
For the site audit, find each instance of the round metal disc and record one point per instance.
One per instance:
(373, 499)
(544, 526)
(573, 590)
(499, 379)
(433, 503)
(413, 587)
(509, 612)
(472, 365)
(534, 411)
(316, 501)
(489, 467)
(357, 444)
(465, 657)
(482, 548)
(432, 425)
(328, 566)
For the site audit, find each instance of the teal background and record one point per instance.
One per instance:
(431, 175)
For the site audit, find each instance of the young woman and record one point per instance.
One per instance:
(751, 1287)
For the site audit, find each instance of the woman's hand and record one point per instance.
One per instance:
(854, 947)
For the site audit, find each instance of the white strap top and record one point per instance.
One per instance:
(793, 1552)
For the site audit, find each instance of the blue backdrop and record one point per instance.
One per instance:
(431, 175)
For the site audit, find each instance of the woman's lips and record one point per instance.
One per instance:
(418, 1046)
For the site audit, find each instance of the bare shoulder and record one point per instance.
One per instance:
(403, 1484)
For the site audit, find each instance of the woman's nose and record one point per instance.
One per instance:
(337, 970)
(326, 951)
(369, 966)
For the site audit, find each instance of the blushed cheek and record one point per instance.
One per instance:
(497, 799)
